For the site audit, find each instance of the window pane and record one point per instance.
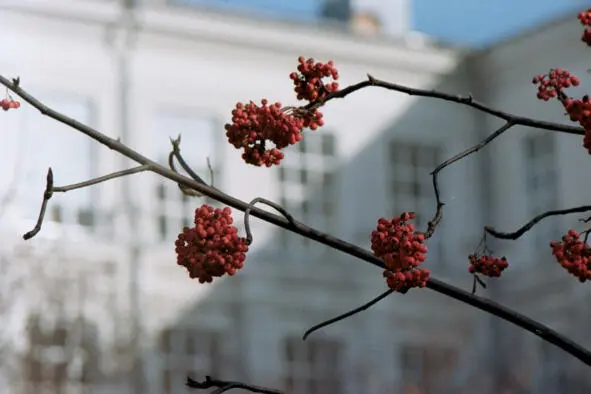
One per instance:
(328, 145)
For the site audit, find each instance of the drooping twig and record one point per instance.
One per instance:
(528, 226)
(477, 281)
(431, 226)
(434, 284)
(176, 150)
(50, 189)
(176, 153)
(223, 386)
(273, 205)
(348, 314)
(46, 196)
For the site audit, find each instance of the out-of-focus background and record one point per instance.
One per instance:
(96, 302)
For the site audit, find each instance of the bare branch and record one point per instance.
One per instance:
(431, 226)
(46, 196)
(348, 314)
(94, 181)
(464, 100)
(528, 226)
(176, 150)
(223, 386)
(273, 205)
(176, 153)
(434, 284)
(50, 189)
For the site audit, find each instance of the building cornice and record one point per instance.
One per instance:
(411, 53)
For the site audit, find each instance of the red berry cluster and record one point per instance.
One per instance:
(580, 111)
(212, 248)
(402, 250)
(551, 84)
(487, 265)
(7, 104)
(253, 127)
(573, 255)
(308, 83)
(585, 18)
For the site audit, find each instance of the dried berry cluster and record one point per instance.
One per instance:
(308, 82)
(487, 265)
(574, 255)
(7, 104)
(254, 128)
(212, 248)
(585, 18)
(551, 84)
(402, 250)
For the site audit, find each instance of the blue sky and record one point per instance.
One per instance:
(464, 22)
(481, 22)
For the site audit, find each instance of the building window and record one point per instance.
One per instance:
(188, 352)
(308, 184)
(313, 366)
(540, 183)
(426, 368)
(70, 154)
(65, 355)
(173, 209)
(410, 188)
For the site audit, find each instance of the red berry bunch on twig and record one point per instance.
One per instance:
(574, 255)
(487, 265)
(8, 103)
(585, 19)
(551, 84)
(212, 248)
(402, 250)
(254, 127)
(308, 82)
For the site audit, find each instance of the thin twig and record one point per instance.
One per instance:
(273, 205)
(476, 281)
(94, 181)
(46, 196)
(431, 226)
(50, 189)
(434, 284)
(348, 314)
(176, 150)
(223, 386)
(176, 153)
(528, 226)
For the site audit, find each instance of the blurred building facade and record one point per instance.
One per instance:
(102, 306)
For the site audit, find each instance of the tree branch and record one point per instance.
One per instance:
(223, 386)
(348, 314)
(50, 189)
(464, 100)
(528, 226)
(483, 304)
